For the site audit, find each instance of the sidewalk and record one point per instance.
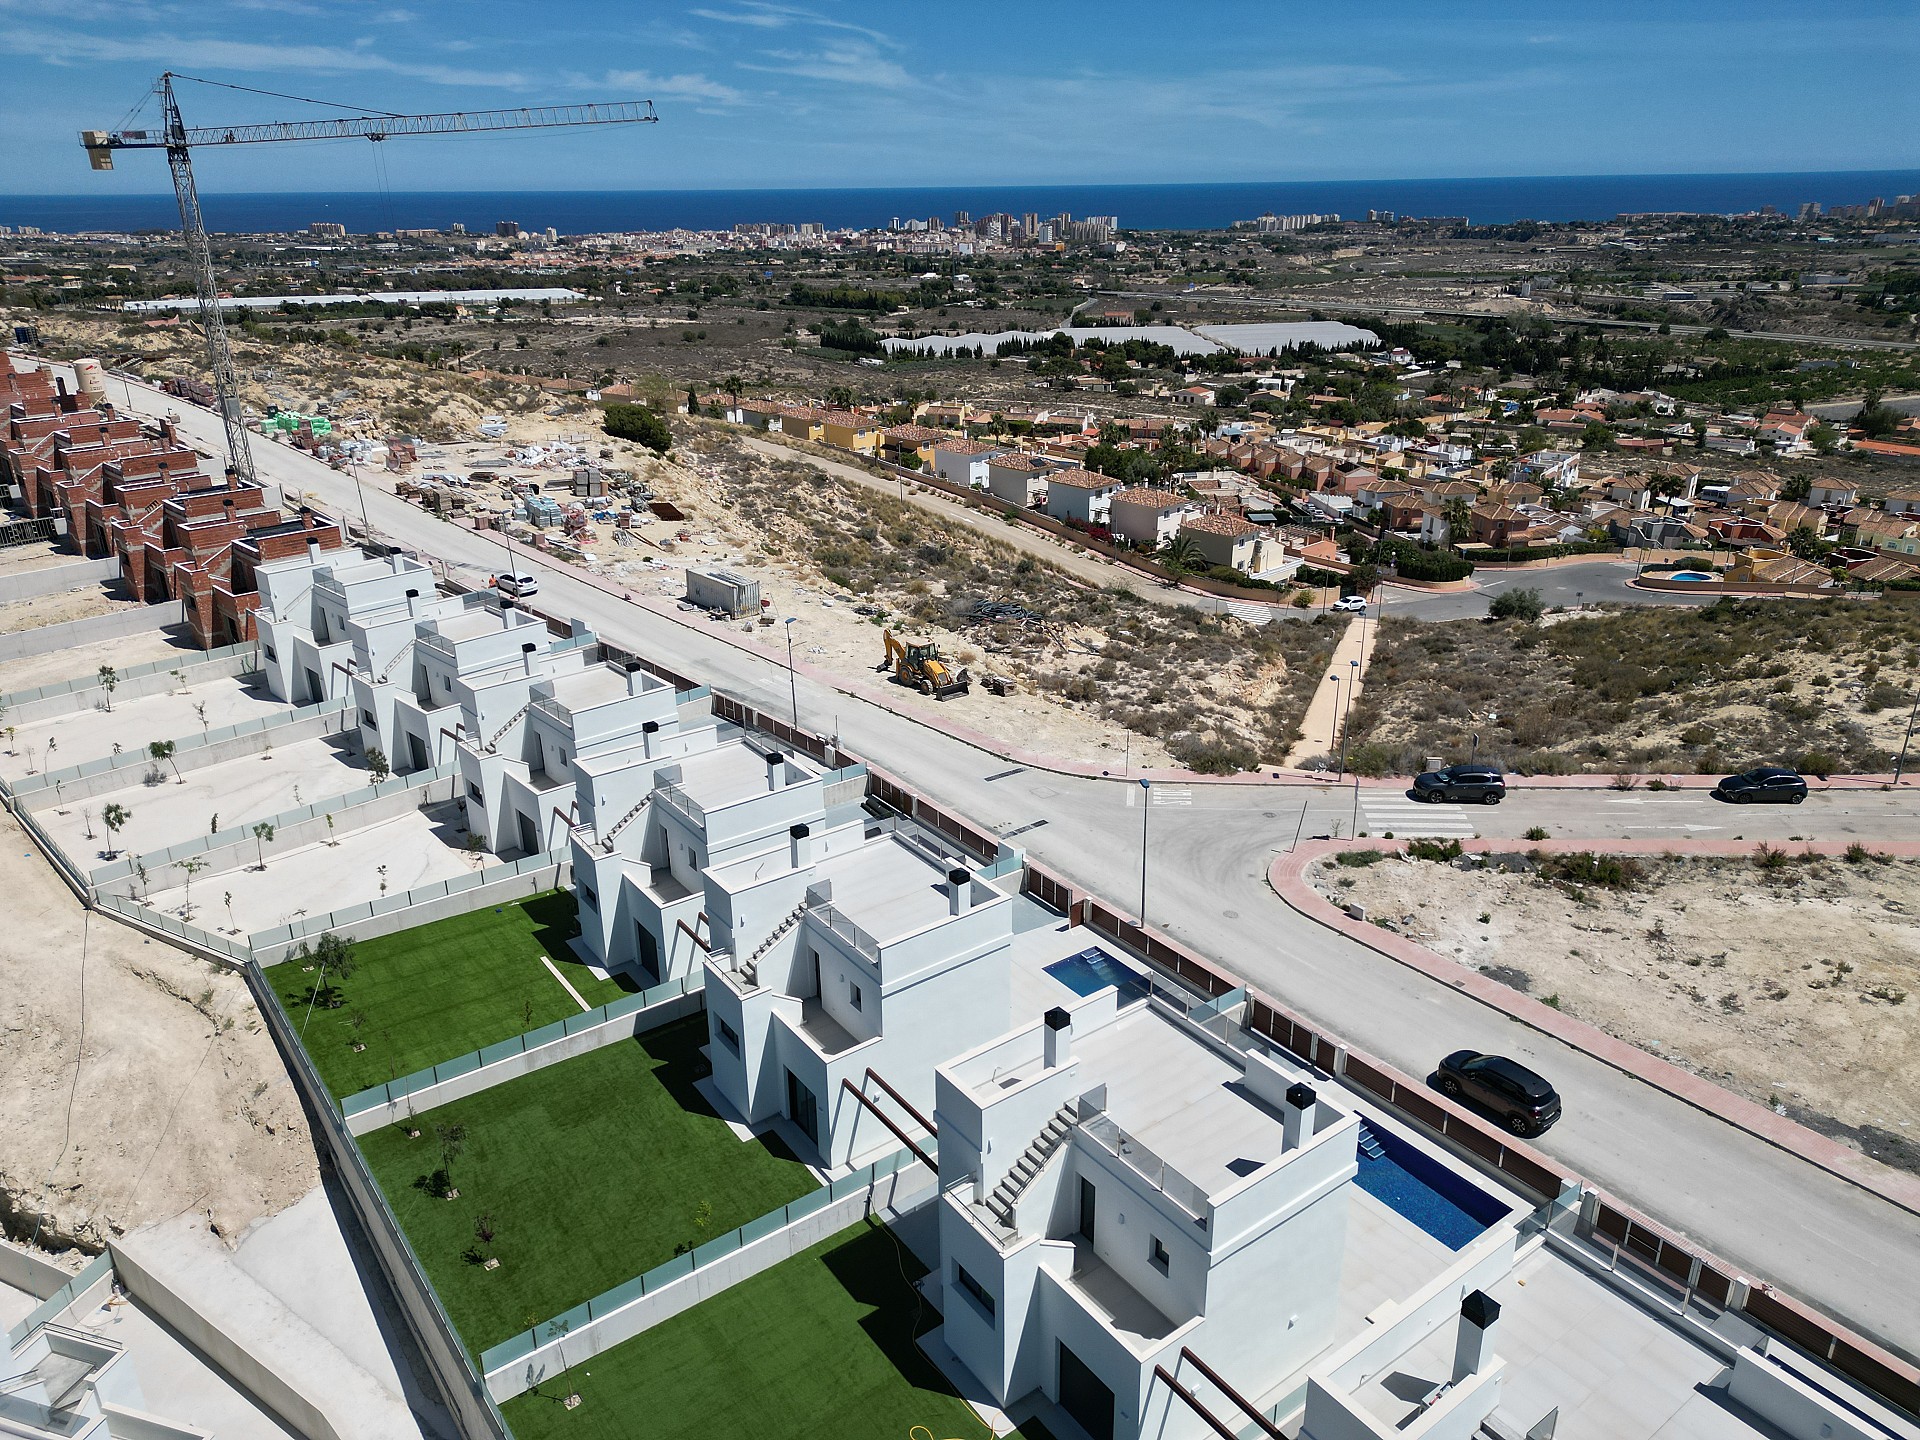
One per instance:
(1288, 877)
(1346, 671)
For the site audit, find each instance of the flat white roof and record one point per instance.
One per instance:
(887, 887)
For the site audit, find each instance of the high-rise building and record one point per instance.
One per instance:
(459, 227)
(328, 229)
(507, 229)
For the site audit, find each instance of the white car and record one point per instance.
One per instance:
(1351, 604)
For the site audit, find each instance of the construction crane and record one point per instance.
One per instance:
(179, 142)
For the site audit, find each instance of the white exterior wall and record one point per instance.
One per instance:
(960, 469)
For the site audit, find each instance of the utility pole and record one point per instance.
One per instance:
(1906, 740)
(793, 688)
(1146, 804)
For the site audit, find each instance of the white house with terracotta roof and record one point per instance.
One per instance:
(960, 461)
(1081, 495)
(1017, 479)
(1226, 540)
(1148, 518)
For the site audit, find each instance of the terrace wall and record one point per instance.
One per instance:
(116, 625)
(55, 578)
(69, 697)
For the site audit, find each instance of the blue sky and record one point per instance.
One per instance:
(841, 93)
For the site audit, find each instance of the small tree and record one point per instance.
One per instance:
(483, 1231)
(451, 1137)
(162, 753)
(213, 823)
(228, 898)
(109, 681)
(639, 424)
(377, 765)
(333, 964)
(114, 817)
(200, 710)
(356, 1022)
(262, 833)
(86, 819)
(191, 866)
(330, 839)
(1524, 605)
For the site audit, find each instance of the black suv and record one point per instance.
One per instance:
(1769, 785)
(1483, 784)
(1525, 1103)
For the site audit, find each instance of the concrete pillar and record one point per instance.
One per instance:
(1059, 1037)
(1473, 1348)
(1296, 1117)
(959, 890)
(800, 846)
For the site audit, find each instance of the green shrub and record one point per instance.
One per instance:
(1818, 763)
(1439, 851)
(640, 425)
(1524, 605)
(1536, 833)
(1359, 859)
(1583, 867)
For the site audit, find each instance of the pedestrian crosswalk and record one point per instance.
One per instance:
(1393, 811)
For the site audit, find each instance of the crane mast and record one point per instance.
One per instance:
(226, 384)
(179, 142)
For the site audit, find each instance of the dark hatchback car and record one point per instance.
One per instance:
(1769, 785)
(1476, 784)
(1524, 1102)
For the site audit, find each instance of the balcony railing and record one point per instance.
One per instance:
(681, 803)
(1149, 1166)
(864, 944)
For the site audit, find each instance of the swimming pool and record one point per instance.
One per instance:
(1692, 577)
(1414, 1185)
(1094, 970)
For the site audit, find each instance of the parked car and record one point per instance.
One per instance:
(1524, 1101)
(1350, 604)
(1768, 785)
(516, 587)
(1479, 784)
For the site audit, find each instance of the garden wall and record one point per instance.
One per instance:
(68, 697)
(116, 625)
(54, 578)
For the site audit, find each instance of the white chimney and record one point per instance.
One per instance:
(648, 729)
(413, 602)
(313, 550)
(1473, 1349)
(1296, 1117)
(526, 655)
(800, 846)
(775, 764)
(959, 890)
(1059, 1038)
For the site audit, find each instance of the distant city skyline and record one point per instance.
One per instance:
(843, 93)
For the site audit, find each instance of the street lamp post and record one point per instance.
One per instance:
(1333, 736)
(1146, 804)
(793, 688)
(1346, 735)
(1906, 740)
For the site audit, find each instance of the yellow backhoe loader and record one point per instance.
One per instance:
(920, 666)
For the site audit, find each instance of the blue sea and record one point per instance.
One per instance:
(1139, 207)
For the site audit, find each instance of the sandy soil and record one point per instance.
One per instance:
(40, 555)
(58, 608)
(1780, 985)
(180, 1100)
(86, 660)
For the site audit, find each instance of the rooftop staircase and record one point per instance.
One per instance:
(1006, 1195)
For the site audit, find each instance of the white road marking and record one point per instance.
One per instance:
(1415, 818)
(547, 960)
(1171, 795)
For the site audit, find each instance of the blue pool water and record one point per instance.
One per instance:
(1692, 577)
(1092, 971)
(1426, 1192)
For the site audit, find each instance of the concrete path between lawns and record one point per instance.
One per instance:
(1288, 877)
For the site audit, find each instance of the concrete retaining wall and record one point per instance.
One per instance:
(192, 752)
(55, 578)
(116, 625)
(70, 697)
(24, 1270)
(497, 1064)
(582, 1341)
(282, 1394)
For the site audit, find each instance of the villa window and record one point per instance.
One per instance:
(589, 898)
(473, 791)
(367, 719)
(974, 1291)
(728, 1035)
(1158, 1254)
(853, 996)
(267, 650)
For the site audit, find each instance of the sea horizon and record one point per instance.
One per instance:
(1204, 206)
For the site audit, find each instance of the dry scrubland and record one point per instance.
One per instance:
(1790, 979)
(1217, 693)
(1820, 684)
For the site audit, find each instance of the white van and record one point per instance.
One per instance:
(516, 587)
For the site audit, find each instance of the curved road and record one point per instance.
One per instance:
(1781, 1218)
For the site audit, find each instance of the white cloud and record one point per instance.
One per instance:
(643, 84)
(766, 15)
(73, 48)
(846, 63)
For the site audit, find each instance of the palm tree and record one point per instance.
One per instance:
(1180, 555)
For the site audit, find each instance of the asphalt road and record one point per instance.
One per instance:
(1761, 1208)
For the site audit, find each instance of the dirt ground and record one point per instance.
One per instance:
(58, 608)
(180, 1100)
(31, 671)
(1797, 986)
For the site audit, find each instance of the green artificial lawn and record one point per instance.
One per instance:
(820, 1347)
(440, 991)
(593, 1171)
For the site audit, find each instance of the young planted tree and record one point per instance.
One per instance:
(114, 817)
(377, 765)
(451, 1137)
(356, 1022)
(200, 710)
(484, 1231)
(333, 964)
(109, 682)
(262, 834)
(162, 753)
(191, 867)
